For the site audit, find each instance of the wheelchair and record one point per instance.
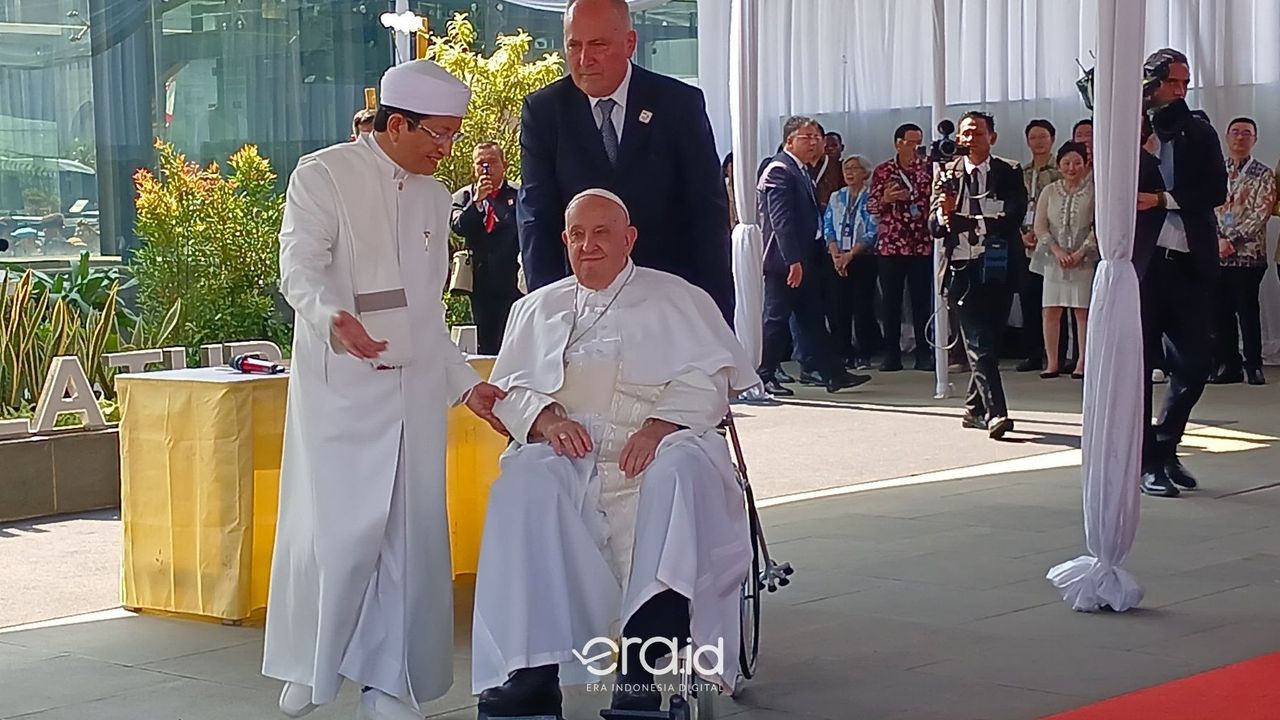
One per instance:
(694, 698)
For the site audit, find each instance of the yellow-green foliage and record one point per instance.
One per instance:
(36, 327)
(499, 84)
(211, 240)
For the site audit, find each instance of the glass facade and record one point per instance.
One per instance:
(87, 86)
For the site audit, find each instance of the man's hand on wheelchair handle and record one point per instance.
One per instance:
(642, 447)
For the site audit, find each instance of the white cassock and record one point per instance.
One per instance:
(572, 549)
(360, 581)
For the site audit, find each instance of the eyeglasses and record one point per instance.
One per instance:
(439, 137)
(1240, 133)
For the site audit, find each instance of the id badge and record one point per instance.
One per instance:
(1029, 220)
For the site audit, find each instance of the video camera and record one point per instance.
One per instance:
(944, 149)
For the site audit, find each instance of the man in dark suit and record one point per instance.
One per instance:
(484, 215)
(794, 256)
(1182, 178)
(978, 206)
(644, 136)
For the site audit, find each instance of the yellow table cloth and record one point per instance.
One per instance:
(200, 457)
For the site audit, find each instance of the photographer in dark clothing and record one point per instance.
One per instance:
(978, 206)
(1182, 178)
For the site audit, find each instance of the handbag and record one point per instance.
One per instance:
(460, 276)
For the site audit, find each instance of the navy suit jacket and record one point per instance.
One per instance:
(789, 214)
(668, 174)
(1200, 186)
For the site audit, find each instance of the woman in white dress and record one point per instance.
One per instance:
(1066, 251)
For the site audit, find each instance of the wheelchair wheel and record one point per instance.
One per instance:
(749, 613)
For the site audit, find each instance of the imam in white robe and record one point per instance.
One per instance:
(572, 548)
(360, 581)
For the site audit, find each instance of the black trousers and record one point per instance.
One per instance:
(983, 310)
(916, 274)
(804, 303)
(490, 308)
(1239, 316)
(665, 615)
(1177, 323)
(1030, 296)
(854, 330)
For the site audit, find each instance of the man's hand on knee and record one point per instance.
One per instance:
(566, 437)
(642, 447)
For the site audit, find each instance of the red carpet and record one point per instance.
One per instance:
(1245, 691)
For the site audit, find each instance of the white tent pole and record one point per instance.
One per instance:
(941, 319)
(403, 40)
(1114, 382)
(747, 241)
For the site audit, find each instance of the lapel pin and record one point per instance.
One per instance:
(645, 116)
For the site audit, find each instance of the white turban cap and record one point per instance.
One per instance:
(423, 87)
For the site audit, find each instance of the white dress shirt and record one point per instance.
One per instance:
(619, 97)
(1173, 234)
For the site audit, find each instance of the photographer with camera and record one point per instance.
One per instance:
(978, 206)
(484, 216)
(1182, 179)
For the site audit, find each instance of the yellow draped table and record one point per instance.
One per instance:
(200, 476)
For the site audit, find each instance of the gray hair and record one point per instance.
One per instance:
(862, 160)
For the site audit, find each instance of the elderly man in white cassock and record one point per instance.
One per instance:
(360, 581)
(617, 512)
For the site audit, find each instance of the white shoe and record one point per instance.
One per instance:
(1158, 376)
(377, 705)
(295, 700)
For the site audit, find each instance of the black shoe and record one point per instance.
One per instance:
(925, 363)
(1254, 376)
(891, 363)
(1179, 475)
(1030, 365)
(811, 377)
(998, 426)
(973, 422)
(843, 380)
(636, 695)
(1227, 376)
(1049, 374)
(1158, 483)
(530, 691)
(861, 363)
(777, 389)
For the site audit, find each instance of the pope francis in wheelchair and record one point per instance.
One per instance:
(617, 520)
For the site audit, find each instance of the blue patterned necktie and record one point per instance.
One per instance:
(608, 132)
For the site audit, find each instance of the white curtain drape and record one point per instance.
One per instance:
(748, 243)
(560, 5)
(1113, 386)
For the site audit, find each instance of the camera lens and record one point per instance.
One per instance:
(946, 127)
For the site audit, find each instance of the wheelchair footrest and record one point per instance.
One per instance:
(635, 714)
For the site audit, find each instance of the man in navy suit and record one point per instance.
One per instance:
(1182, 178)
(793, 257)
(644, 136)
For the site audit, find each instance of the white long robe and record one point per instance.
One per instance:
(572, 548)
(360, 577)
